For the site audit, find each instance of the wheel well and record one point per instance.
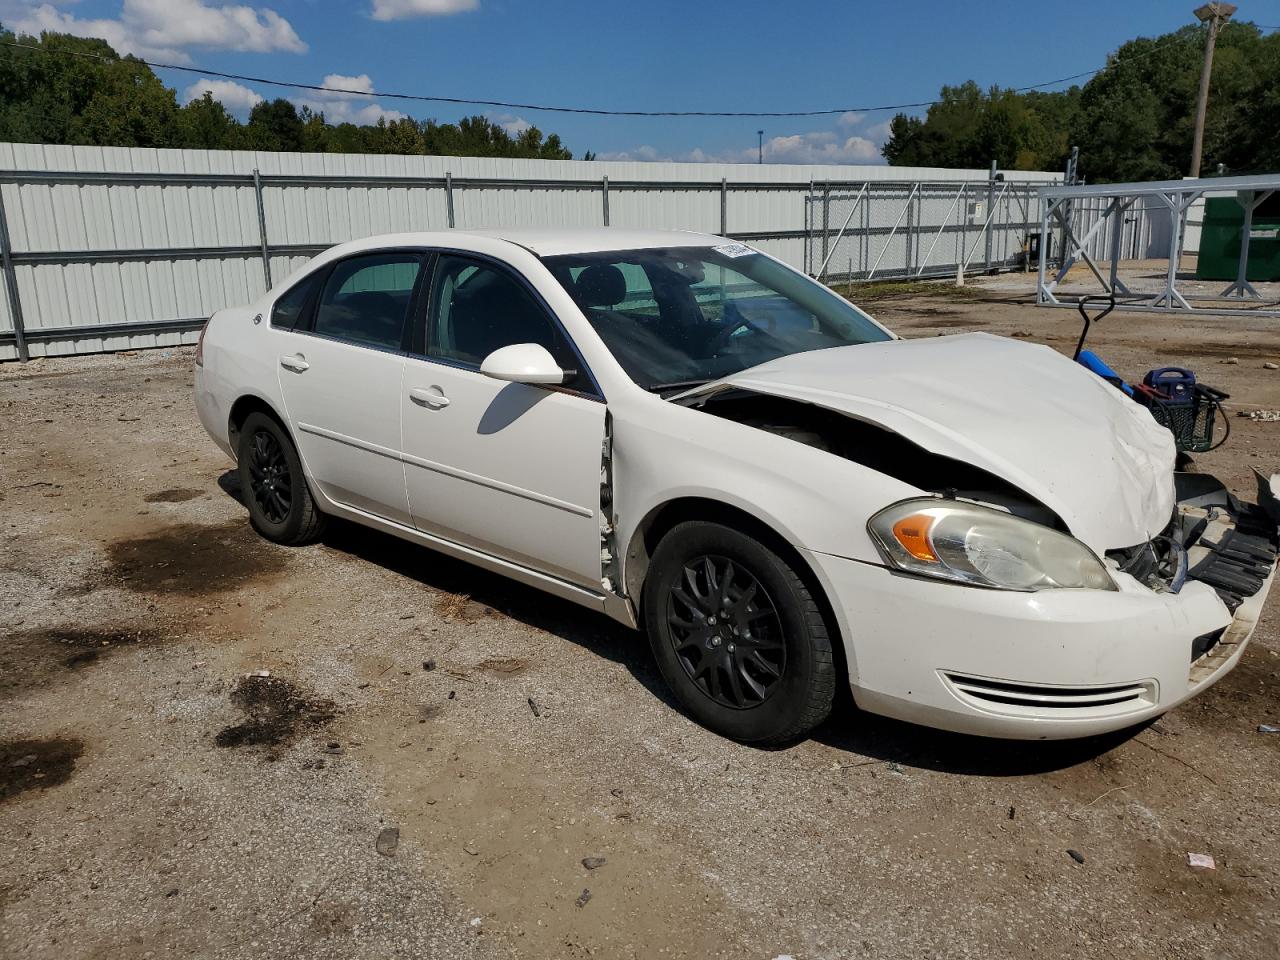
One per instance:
(240, 411)
(662, 519)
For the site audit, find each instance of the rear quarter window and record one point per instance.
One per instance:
(289, 306)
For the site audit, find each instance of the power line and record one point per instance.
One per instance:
(509, 105)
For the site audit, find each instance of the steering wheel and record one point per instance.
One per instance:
(735, 323)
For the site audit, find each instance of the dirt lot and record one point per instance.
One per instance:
(155, 801)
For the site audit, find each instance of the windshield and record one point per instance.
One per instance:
(685, 315)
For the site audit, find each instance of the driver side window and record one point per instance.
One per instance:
(477, 308)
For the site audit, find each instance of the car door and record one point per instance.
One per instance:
(340, 376)
(508, 468)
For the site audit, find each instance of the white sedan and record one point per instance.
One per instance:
(689, 436)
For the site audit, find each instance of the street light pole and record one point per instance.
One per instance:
(760, 157)
(1214, 14)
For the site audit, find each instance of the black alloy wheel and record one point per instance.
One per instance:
(726, 632)
(270, 483)
(281, 506)
(737, 632)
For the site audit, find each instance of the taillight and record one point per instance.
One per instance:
(200, 345)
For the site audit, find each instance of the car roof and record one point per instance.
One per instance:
(551, 241)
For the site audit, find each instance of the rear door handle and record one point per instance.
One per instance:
(297, 363)
(433, 397)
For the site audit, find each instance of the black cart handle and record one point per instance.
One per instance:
(1110, 301)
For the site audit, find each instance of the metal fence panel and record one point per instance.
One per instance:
(111, 247)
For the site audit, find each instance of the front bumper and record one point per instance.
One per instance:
(1049, 665)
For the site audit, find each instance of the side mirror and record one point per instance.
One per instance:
(523, 363)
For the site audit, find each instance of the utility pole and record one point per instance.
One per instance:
(1214, 14)
(760, 157)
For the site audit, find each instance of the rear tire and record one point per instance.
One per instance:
(275, 490)
(737, 635)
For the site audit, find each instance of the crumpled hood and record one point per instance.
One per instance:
(1021, 411)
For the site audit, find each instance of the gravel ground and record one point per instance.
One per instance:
(159, 798)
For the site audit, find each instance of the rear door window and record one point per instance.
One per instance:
(366, 299)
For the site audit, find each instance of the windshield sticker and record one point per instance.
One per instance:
(733, 250)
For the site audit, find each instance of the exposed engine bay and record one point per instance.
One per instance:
(1212, 537)
(882, 450)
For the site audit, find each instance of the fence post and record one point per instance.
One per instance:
(262, 227)
(724, 206)
(605, 197)
(11, 285)
(826, 219)
(991, 199)
(448, 196)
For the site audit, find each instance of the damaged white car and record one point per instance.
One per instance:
(687, 435)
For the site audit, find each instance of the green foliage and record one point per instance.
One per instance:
(58, 97)
(1132, 121)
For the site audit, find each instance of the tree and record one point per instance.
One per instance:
(80, 91)
(205, 124)
(275, 125)
(1132, 120)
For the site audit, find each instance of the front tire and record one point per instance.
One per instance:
(280, 504)
(737, 635)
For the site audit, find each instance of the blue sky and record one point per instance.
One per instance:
(658, 54)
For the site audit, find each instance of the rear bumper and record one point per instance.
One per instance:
(1050, 665)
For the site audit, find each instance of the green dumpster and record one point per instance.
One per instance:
(1221, 234)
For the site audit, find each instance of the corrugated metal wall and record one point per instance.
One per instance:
(104, 240)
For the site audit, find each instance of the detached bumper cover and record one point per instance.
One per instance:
(1060, 663)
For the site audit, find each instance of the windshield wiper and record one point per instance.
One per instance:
(677, 385)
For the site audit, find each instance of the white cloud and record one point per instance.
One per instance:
(821, 146)
(878, 133)
(357, 85)
(850, 119)
(235, 97)
(163, 29)
(513, 125)
(405, 9)
(348, 102)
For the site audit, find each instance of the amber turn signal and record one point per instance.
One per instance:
(913, 533)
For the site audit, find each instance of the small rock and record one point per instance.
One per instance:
(453, 694)
(476, 921)
(1076, 855)
(593, 863)
(388, 840)
(470, 849)
(1201, 861)
(1269, 365)
(1012, 813)
(1268, 728)
(533, 705)
(428, 664)
(1231, 360)
(171, 892)
(583, 898)
(333, 747)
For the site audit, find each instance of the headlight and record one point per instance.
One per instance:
(953, 540)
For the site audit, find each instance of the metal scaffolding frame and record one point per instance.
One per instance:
(1060, 204)
(907, 219)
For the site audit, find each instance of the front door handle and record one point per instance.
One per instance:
(432, 397)
(297, 363)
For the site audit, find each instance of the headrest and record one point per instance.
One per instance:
(601, 285)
